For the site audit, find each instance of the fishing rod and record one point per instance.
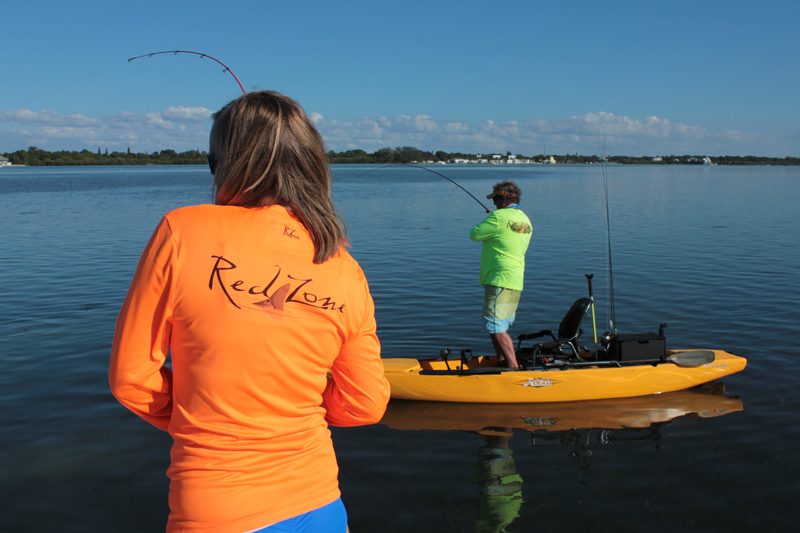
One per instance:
(612, 321)
(438, 174)
(176, 52)
(594, 320)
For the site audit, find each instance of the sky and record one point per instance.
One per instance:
(530, 77)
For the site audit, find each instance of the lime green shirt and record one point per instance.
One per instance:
(505, 234)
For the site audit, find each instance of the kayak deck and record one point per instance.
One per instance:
(482, 382)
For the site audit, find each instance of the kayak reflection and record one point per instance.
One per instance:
(706, 401)
(579, 426)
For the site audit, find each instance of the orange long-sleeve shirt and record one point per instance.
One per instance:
(252, 326)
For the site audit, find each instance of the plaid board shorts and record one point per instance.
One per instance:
(499, 308)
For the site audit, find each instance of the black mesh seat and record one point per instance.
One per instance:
(568, 332)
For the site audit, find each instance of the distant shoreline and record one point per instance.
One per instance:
(36, 157)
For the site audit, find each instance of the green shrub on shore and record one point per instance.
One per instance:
(36, 157)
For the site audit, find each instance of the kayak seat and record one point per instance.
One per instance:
(565, 344)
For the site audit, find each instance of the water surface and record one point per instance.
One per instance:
(712, 251)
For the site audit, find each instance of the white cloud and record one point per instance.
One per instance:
(185, 128)
(50, 118)
(579, 133)
(178, 128)
(187, 114)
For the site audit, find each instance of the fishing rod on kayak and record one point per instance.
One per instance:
(438, 174)
(176, 52)
(612, 321)
(594, 321)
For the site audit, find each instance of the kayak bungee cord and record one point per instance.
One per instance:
(612, 320)
(176, 52)
(438, 174)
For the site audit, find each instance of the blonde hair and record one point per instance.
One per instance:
(269, 153)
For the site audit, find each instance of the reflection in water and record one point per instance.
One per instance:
(581, 427)
(582, 444)
(705, 401)
(499, 485)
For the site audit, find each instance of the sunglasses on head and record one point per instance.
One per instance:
(212, 163)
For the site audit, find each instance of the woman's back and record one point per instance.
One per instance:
(255, 303)
(253, 325)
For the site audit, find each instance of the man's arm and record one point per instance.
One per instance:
(485, 230)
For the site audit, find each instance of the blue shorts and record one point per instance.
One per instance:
(499, 308)
(495, 325)
(331, 518)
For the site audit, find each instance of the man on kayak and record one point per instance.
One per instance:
(505, 234)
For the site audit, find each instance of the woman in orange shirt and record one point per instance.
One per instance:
(270, 328)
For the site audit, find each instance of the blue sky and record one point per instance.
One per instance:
(658, 78)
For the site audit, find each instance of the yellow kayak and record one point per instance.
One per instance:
(481, 382)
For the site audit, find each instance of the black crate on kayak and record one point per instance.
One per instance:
(638, 347)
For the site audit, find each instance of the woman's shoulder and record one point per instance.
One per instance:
(344, 259)
(192, 212)
(343, 266)
(208, 215)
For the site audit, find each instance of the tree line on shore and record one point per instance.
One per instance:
(407, 154)
(34, 156)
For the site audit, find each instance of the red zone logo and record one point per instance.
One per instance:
(277, 300)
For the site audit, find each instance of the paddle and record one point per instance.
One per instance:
(692, 358)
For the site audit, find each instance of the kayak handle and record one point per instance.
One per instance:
(444, 353)
(466, 357)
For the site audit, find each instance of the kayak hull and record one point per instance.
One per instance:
(428, 380)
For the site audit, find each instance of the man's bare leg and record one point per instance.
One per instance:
(504, 348)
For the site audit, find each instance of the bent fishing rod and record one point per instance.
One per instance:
(176, 52)
(227, 69)
(438, 174)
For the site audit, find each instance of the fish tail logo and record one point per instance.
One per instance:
(277, 299)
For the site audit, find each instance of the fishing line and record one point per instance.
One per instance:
(438, 174)
(176, 52)
(612, 321)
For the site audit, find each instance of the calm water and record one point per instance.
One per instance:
(712, 251)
